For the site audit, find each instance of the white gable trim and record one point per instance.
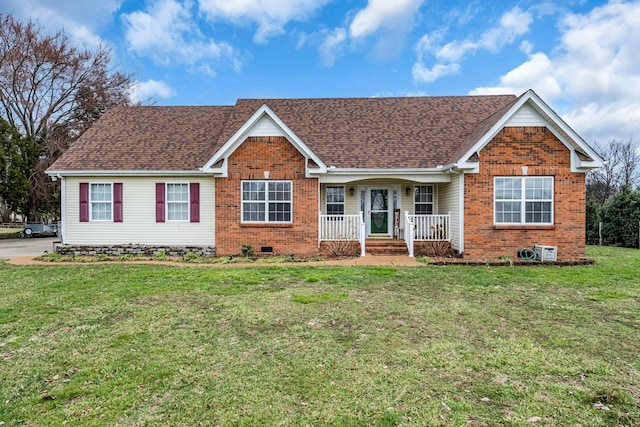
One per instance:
(239, 137)
(553, 122)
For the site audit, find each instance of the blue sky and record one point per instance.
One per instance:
(582, 57)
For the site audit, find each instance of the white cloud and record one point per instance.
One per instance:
(389, 21)
(428, 75)
(270, 16)
(167, 32)
(150, 90)
(536, 73)
(593, 74)
(79, 21)
(384, 14)
(512, 25)
(330, 47)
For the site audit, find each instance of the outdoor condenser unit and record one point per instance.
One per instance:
(546, 253)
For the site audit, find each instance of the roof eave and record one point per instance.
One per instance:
(386, 171)
(556, 123)
(128, 173)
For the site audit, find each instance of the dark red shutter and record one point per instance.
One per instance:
(160, 201)
(117, 202)
(84, 202)
(194, 199)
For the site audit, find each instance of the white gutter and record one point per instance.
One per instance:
(55, 173)
(406, 171)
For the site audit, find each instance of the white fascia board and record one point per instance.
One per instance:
(403, 171)
(583, 165)
(467, 167)
(127, 173)
(557, 126)
(341, 176)
(238, 138)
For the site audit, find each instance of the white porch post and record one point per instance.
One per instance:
(408, 233)
(362, 233)
(319, 227)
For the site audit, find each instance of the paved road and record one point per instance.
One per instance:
(13, 248)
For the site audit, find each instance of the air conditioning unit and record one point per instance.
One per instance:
(546, 253)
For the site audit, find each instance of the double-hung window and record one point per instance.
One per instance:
(523, 200)
(335, 200)
(101, 201)
(266, 201)
(423, 200)
(177, 202)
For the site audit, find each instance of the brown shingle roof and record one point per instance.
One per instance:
(147, 138)
(419, 132)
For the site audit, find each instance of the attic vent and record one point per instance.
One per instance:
(266, 249)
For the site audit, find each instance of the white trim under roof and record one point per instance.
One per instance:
(557, 126)
(426, 175)
(56, 173)
(238, 138)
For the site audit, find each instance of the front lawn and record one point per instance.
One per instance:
(122, 344)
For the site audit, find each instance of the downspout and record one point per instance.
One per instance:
(63, 208)
(461, 232)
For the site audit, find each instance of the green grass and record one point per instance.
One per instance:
(129, 344)
(9, 233)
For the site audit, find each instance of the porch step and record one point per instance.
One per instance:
(386, 247)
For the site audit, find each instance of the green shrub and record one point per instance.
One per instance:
(190, 256)
(247, 250)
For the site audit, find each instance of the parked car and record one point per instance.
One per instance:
(39, 230)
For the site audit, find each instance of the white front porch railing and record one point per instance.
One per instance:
(343, 227)
(408, 232)
(426, 228)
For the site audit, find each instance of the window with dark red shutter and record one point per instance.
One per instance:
(84, 202)
(117, 202)
(194, 200)
(160, 200)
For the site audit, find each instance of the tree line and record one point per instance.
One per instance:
(51, 91)
(613, 196)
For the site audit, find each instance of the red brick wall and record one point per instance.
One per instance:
(545, 155)
(284, 162)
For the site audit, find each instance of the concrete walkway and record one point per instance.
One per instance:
(17, 248)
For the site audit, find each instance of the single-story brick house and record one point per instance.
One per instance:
(489, 174)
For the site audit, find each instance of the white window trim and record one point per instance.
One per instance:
(91, 202)
(524, 200)
(266, 202)
(433, 199)
(167, 202)
(344, 199)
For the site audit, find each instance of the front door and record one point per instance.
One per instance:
(379, 210)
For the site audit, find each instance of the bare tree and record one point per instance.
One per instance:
(621, 168)
(51, 92)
